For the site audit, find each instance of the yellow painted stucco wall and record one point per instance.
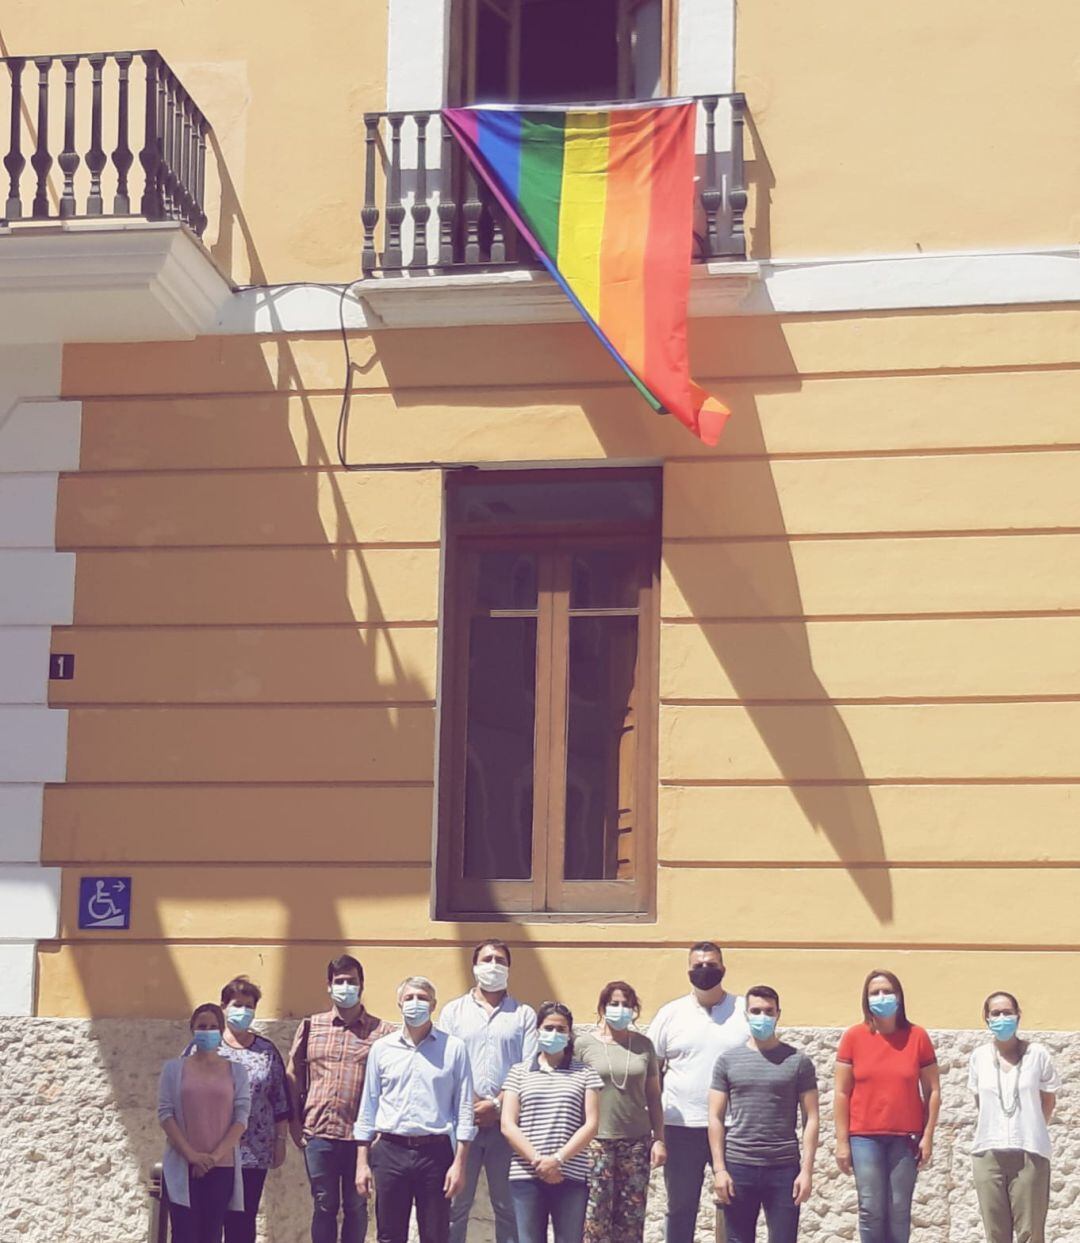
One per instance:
(869, 688)
(875, 128)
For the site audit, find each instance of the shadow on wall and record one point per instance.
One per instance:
(759, 572)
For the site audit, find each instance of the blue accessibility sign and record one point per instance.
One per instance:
(105, 902)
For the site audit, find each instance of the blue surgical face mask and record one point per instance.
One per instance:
(240, 1017)
(416, 1011)
(207, 1041)
(884, 1005)
(618, 1017)
(1003, 1025)
(345, 995)
(761, 1026)
(552, 1040)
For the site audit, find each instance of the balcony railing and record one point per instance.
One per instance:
(67, 110)
(437, 216)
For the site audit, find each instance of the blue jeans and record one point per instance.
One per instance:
(885, 1169)
(535, 1203)
(331, 1171)
(688, 1155)
(489, 1152)
(757, 1187)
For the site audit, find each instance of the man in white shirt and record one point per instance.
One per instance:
(417, 1099)
(498, 1031)
(689, 1034)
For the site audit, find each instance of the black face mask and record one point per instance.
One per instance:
(706, 975)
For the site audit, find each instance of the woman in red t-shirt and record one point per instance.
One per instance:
(888, 1094)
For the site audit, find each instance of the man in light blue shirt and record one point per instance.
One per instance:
(417, 1101)
(498, 1032)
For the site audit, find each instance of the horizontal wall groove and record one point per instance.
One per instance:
(770, 618)
(625, 942)
(837, 455)
(849, 536)
(864, 701)
(374, 784)
(359, 546)
(806, 783)
(867, 865)
(249, 864)
(170, 705)
(62, 628)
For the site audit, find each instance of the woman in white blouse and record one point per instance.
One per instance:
(1015, 1086)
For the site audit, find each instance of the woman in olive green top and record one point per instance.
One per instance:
(630, 1139)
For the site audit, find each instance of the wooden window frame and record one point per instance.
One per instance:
(547, 895)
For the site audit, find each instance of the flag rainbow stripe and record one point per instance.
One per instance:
(606, 199)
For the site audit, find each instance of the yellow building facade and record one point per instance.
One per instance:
(860, 739)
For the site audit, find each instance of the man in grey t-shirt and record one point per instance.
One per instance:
(757, 1091)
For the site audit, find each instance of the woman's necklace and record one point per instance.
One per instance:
(621, 1087)
(1010, 1109)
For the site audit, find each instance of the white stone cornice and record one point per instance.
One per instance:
(106, 281)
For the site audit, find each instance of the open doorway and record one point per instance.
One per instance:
(560, 51)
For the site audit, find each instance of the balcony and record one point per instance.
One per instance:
(432, 227)
(106, 160)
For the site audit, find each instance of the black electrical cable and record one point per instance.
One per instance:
(346, 387)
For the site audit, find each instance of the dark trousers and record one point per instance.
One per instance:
(240, 1227)
(209, 1196)
(688, 1155)
(406, 1176)
(536, 1203)
(757, 1187)
(331, 1171)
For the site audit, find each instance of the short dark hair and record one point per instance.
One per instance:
(494, 944)
(999, 992)
(341, 964)
(609, 990)
(557, 1007)
(705, 947)
(208, 1007)
(240, 986)
(902, 1019)
(763, 990)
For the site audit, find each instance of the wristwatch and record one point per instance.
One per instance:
(497, 1103)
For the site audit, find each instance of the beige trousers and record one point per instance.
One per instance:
(1014, 1194)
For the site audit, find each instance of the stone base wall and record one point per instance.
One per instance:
(78, 1132)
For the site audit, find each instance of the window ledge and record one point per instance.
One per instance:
(524, 296)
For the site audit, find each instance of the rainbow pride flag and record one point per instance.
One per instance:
(606, 200)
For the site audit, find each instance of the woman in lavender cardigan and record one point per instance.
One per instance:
(203, 1106)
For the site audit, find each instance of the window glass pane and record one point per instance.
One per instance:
(602, 579)
(560, 500)
(503, 580)
(499, 748)
(569, 51)
(601, 737)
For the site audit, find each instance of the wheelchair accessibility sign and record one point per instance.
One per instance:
(105, 902)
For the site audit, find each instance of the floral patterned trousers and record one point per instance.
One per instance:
(618, 1188)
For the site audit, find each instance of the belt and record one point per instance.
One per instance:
(413, 1141)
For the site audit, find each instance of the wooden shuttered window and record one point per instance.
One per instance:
(548, 747)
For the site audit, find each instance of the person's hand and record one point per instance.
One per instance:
(454, 1180)
(926, 1151)
(657, 1154)
(723, 1187)
(484, 1113)
(804, 1184)
(278, 1159)
(548, 1170)
(364, 1180)
(202, 1163)
(296, 1130)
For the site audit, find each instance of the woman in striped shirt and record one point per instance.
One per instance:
(551, 1109)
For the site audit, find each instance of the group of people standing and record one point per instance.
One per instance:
(567, 1125)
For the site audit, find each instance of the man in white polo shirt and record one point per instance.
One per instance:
(689, 1034)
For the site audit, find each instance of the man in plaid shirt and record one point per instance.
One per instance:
(326, 1078)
